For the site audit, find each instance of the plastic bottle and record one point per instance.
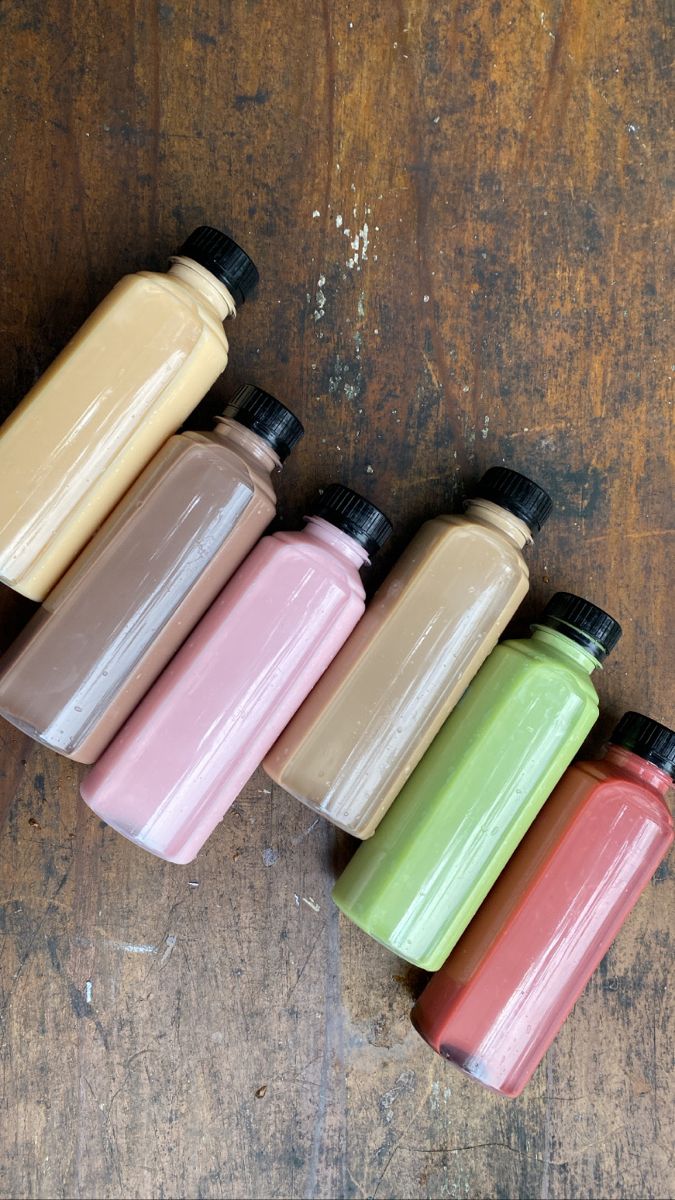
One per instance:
(126, 381)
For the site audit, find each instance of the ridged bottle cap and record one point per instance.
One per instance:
(223, 258)
(582, 622)
(266, 416)
(354, 515)
(518, 494)
(648, 739)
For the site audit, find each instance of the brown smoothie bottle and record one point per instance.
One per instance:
(363, 729)
(124, 607)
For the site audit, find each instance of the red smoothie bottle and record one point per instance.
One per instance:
(501, 997)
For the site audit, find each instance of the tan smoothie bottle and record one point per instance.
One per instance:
(127, 380)
(124, 607)
(363, 729)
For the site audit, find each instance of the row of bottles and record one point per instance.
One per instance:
(120, 612)
(176, 651)
(428, 629)
(418, 882)
(186, 752)
(264, 646)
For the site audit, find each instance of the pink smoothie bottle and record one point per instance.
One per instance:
(184, 755)
(501, 997)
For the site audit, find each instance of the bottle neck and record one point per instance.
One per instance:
(563, 647)
(630, 764)
(248, 445)
(209, 289)
(484, 512)
(335, 539)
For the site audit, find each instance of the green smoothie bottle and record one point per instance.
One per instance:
(417, 883)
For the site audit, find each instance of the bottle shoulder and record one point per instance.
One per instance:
(605, 785)
(159, 283)
(456, 527)
(447, 545)
(294, 546)
(206, 447)
(523, 656)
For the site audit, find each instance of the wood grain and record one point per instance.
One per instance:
(216, 1030)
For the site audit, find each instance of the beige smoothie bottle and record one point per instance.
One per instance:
(130, 376)
(363, 729)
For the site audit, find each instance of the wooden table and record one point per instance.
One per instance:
(459, 211)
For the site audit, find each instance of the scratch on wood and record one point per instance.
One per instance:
(169, 942)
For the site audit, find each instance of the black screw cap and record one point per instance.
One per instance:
(223, 258)
(266, 416)
(354, 515)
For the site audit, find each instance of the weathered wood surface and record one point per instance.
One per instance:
(501, 169)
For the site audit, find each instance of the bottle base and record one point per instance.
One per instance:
(74, 753)
(414, 962)
(362, 834)
(178, 859)
(468, 1064)
(24, 589)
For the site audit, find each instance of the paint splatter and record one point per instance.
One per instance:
(320, 301)
(359, 244)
